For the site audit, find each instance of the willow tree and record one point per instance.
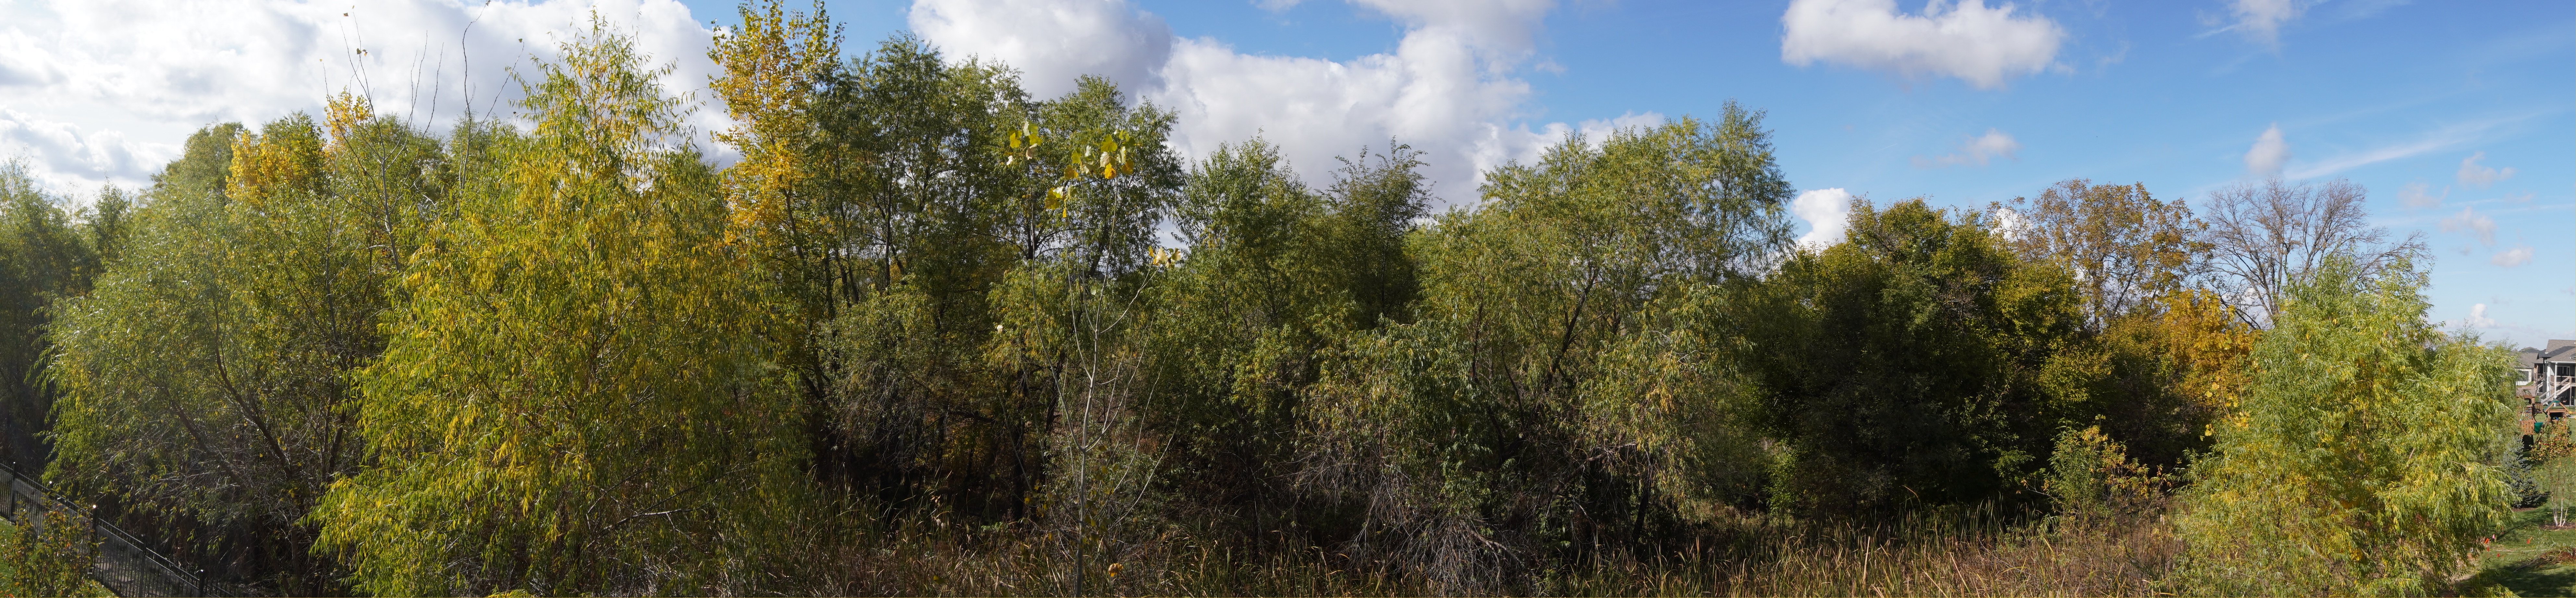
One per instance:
(2365, 455)
(45, 257)
(1274, 276)
(1489, 427)
(206, 379)
(578, 393)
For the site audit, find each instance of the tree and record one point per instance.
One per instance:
(206, 380)
(2125, 247)
(579, 393)
(1463, 432)
(1274, 276)
(1919, 363)
(45, 258)
(2365, 454)
(2167, 372)
(2268, 237)
(2550, 464)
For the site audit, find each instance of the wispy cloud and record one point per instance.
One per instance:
(2420, 195)
(2440, 139)
(1979, 150)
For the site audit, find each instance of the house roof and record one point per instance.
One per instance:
(2559, 351)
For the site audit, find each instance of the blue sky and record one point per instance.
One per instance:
(2455, 116)
(2170, 94)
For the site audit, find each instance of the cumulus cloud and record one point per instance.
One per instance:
(66, 153)
(103, 91)
(2469, 221)
(2478, 317)
(1447, 88)
(2420, 195)
(1978, 150)
(2479, 176)
(2260, 20)
(1982, 45)
(2269, 154)
(1052, 42)
(2512, 257)
(1826, 212)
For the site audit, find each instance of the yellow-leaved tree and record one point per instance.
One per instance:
(2364, 455)
(577, 393)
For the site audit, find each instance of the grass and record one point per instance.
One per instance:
(1911, 556)
(2530, 559)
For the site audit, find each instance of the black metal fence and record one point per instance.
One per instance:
(126, 564)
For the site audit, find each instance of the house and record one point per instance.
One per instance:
(2548, 379)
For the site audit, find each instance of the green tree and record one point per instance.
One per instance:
(579, 393)
(1470, 432)
(44, 259)
(2550, 466)
(1275, 274)
(1919, 363)
(206, 379)
(2365, 454)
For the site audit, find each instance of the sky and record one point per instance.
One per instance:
(2457, 117)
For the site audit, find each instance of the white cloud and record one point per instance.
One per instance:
(1052, 42)
(2469, 221)
(2269, 154)
(1503, 27)
(1827, 212)
(2445, 137)
(2475, 175)
(2260, 20)
(2478, 317)
(104, 91)
(2008, 223)
(1447, 88)
(65, 155)
(1982, 45)
(2420, 195)
(2512, 257)
(1978, 150)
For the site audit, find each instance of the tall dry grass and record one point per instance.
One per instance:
(1974, 553)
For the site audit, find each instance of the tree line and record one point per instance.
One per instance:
(560, 352)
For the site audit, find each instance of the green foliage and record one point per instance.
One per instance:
(2365, 456)
(1465, 433)
(206, 378)
(1274, 276)
(48, 555)
(2091, 476)
(2127, 247)
(44, 258)
(2551, 469)
(1918, 363)
(578, 393)
(932, 334)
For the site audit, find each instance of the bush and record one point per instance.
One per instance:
(52, 559)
